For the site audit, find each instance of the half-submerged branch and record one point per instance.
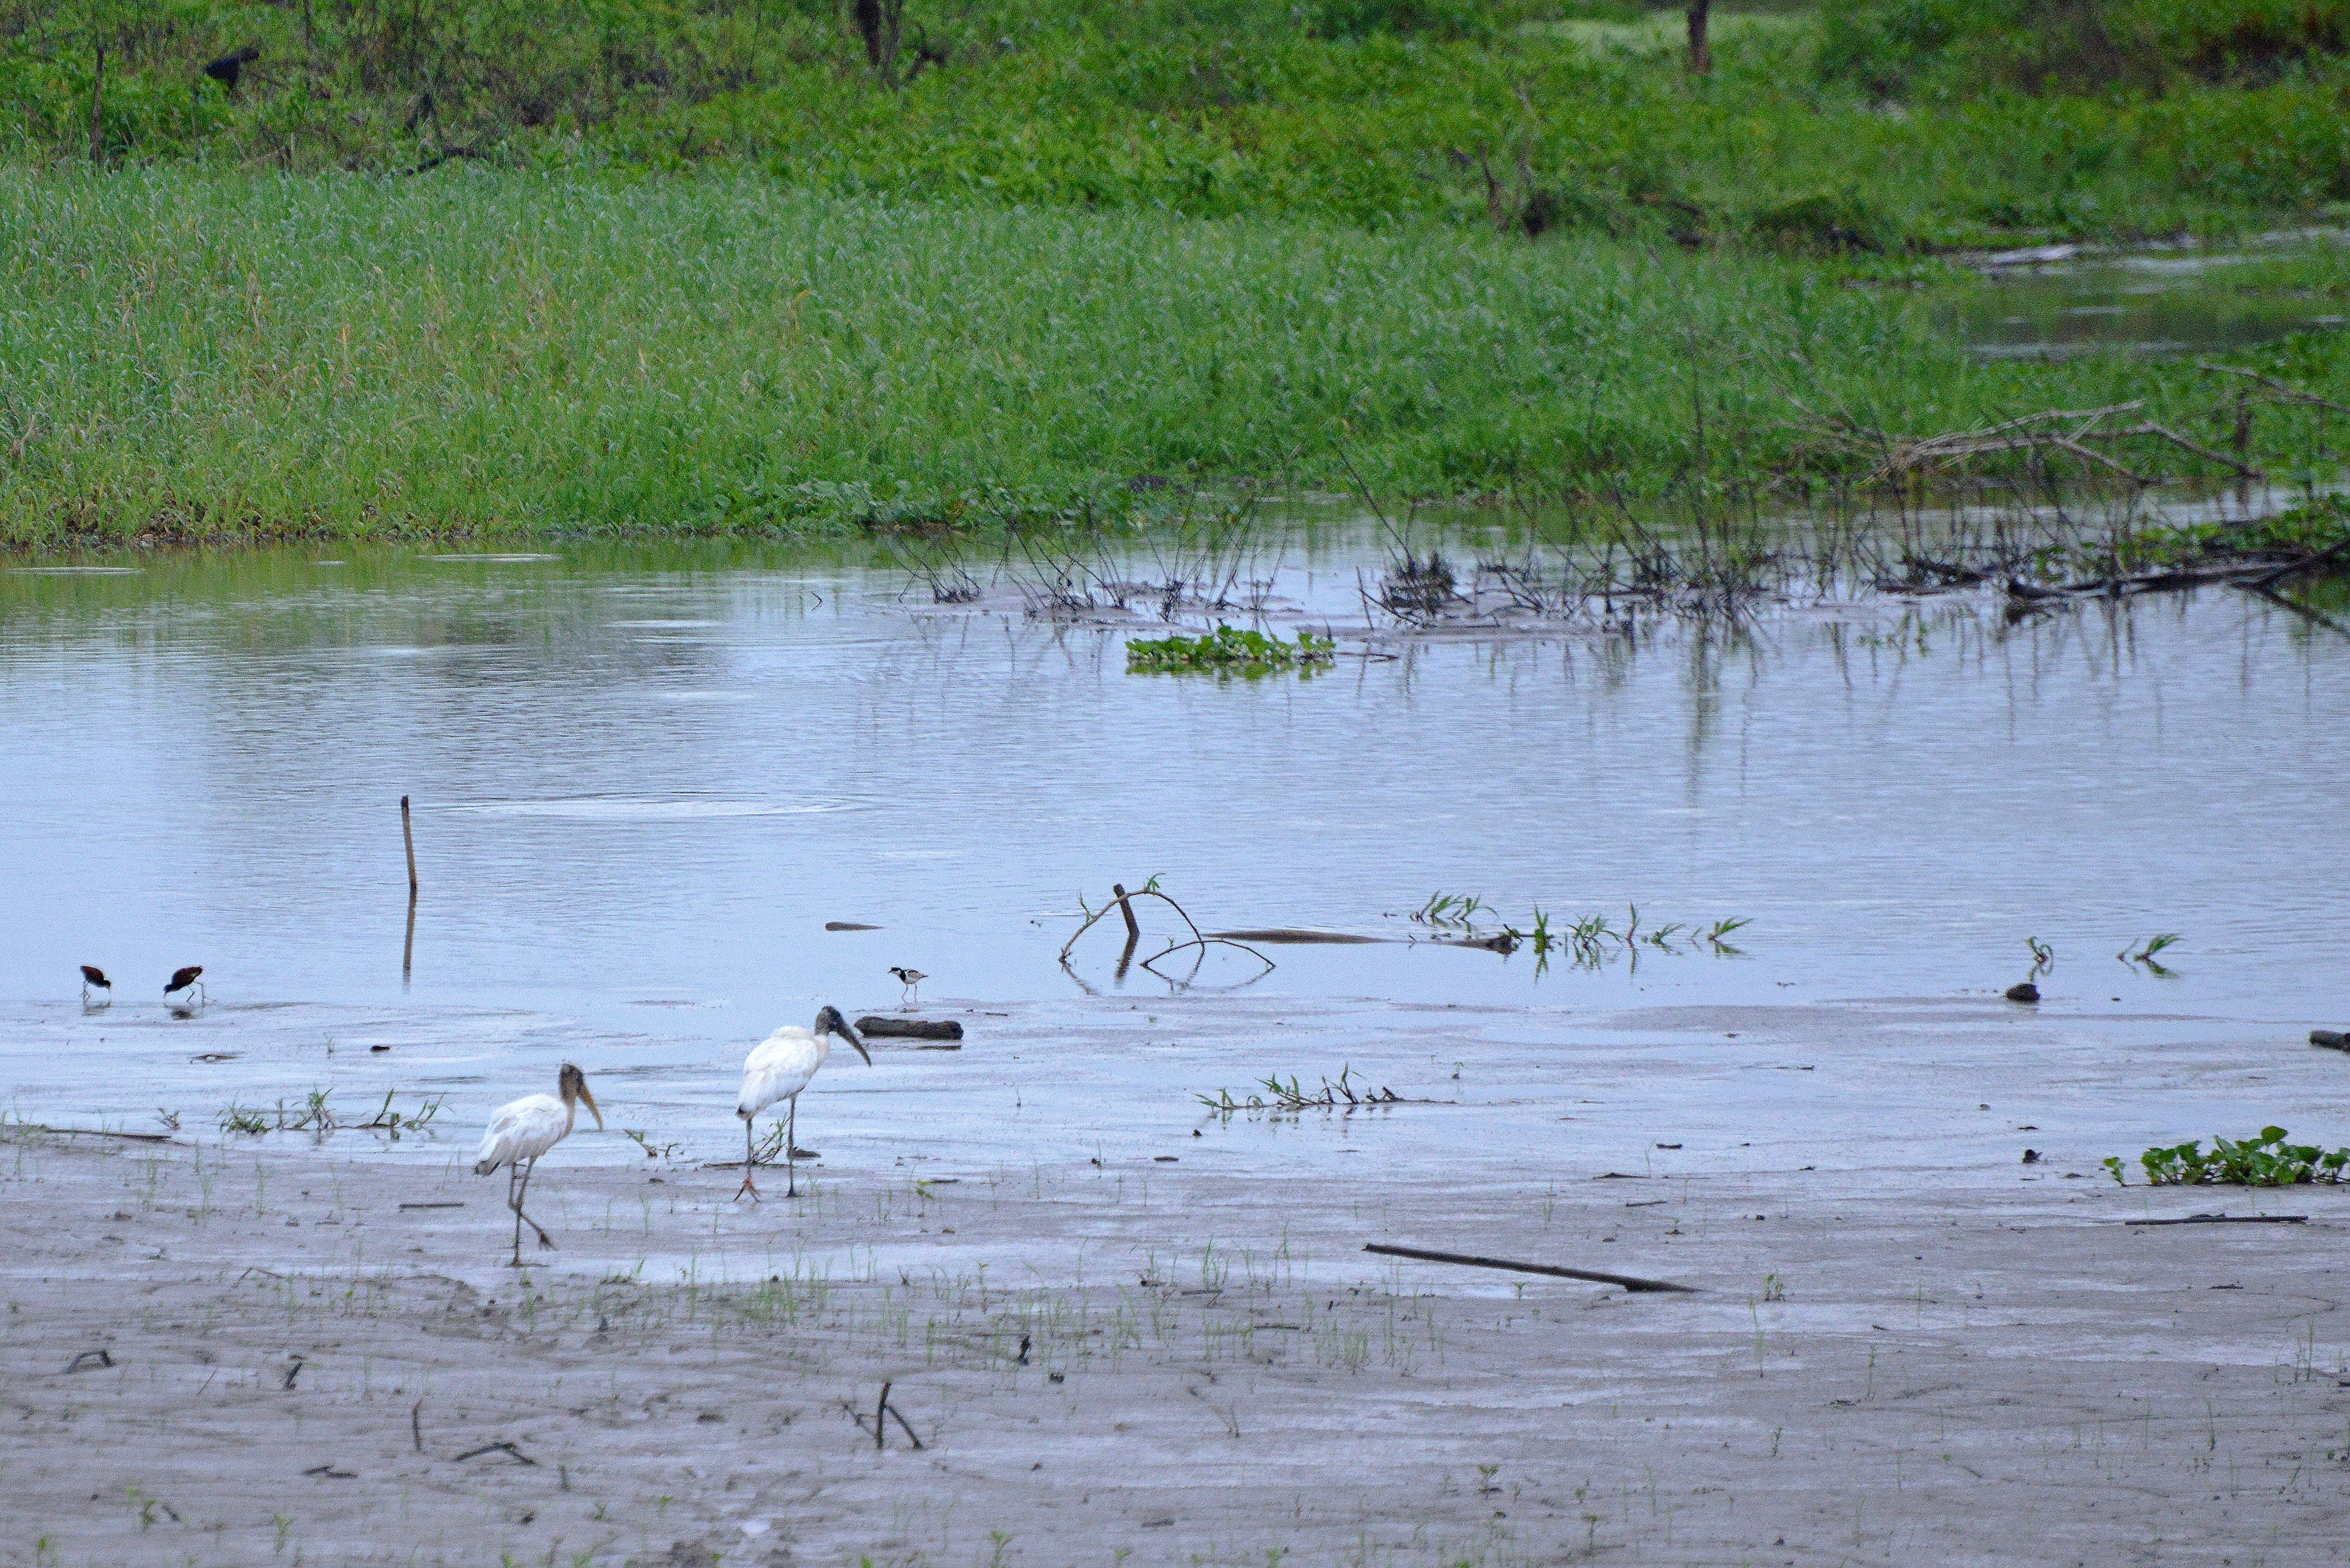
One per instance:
(1627, 1280)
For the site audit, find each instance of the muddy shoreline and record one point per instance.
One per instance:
(1918, 1352)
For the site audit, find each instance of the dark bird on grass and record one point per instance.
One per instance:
(94, 978)
(911, 979)
(778, 1068)
(229, 67)
(187, 979)
(526, 1128)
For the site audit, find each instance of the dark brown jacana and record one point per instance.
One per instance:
(91, 975)
(182, 979)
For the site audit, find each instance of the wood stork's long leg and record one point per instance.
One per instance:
(544, 1241)
(750, 1159)
(514, 1203)
(792, 1151)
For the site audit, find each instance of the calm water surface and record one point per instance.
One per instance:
(645, 779)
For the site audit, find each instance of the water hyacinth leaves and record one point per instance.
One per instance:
(2266, 1160)
(1228, 651)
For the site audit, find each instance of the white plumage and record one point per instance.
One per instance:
(778, 1068)
(524, 1129)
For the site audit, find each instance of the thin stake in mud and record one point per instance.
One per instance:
(408, 838)
(1133, 929)
(525, 1129)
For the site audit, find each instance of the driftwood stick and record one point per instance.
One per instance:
(2225, 1220)
(904, 1426)
(518, 1455)
(1626, 1281)
(880, 1425)
(1133, 927)
(1198, 938)
(86, 1132)
(416, 1425)
(408, 837)
(2288, 392)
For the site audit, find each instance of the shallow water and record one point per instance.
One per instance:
(646, 777)
(2170, 302)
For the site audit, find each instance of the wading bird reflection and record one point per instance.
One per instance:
(186, 979)
(526, 1128)
(911, 979)
(778, 1068)
(94, 978)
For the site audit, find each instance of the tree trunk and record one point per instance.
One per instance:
(1701, 55)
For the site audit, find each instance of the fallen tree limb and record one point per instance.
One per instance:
(2063, 430)
(880, 1027)
(1626, 1281)
(2285, 392)
(2225, 1220)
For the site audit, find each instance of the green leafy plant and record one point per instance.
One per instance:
(2267, 1160)
(1228, 651)
(1339, 1094)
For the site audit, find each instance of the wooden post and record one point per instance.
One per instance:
(1700, 54)
(98, 102)
(408, 835)
(1133, 927)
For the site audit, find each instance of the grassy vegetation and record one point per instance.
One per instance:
(1549, 114)
(490, 266)
(252, 355)
(1227, 651)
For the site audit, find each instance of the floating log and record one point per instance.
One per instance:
(1626, 1281)
(2225, 1220)
(2333, 1039)
(2024, 990)
(908, 1028)
(848, 925)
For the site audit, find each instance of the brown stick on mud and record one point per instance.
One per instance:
(1626, 1281)
(880, 1423)
(408, 837)
(2225, 1220)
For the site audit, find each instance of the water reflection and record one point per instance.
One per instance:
(648, 777)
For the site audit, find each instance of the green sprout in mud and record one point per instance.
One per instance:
(314, 1116)
(1291, 1098)
(1229, 650)
(2143, 954)
(652, 1150)
(1459, 910)
(2263, 1161)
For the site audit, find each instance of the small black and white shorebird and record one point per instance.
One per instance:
(188, 979)
(94, 979)
(778, 1068)
(911, 979)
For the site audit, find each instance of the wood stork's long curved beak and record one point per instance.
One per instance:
(590, 1101)
(851, 1035)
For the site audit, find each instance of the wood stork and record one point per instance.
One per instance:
(911, 979)
(182, 979)
(778, 1068)
(93, 976)
(522, 1131)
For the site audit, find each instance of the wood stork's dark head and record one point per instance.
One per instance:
(571, 1084)
(830, 1021)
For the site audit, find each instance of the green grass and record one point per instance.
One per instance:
(1371, 113)
(217, 356)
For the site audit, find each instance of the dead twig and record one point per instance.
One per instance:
(1199, 938)
(519, 1457)
(2284, 391)
(2225, 1220)
(103, 1359)
(1628, 1282)
(2064, 430)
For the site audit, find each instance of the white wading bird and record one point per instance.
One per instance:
(778, 1068)
(522, 1131)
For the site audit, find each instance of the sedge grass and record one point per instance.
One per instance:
(241, 355)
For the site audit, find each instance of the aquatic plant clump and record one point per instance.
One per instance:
(2263, 1161)
(1228, 651)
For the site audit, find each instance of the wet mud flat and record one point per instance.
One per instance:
(1916, 1351)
